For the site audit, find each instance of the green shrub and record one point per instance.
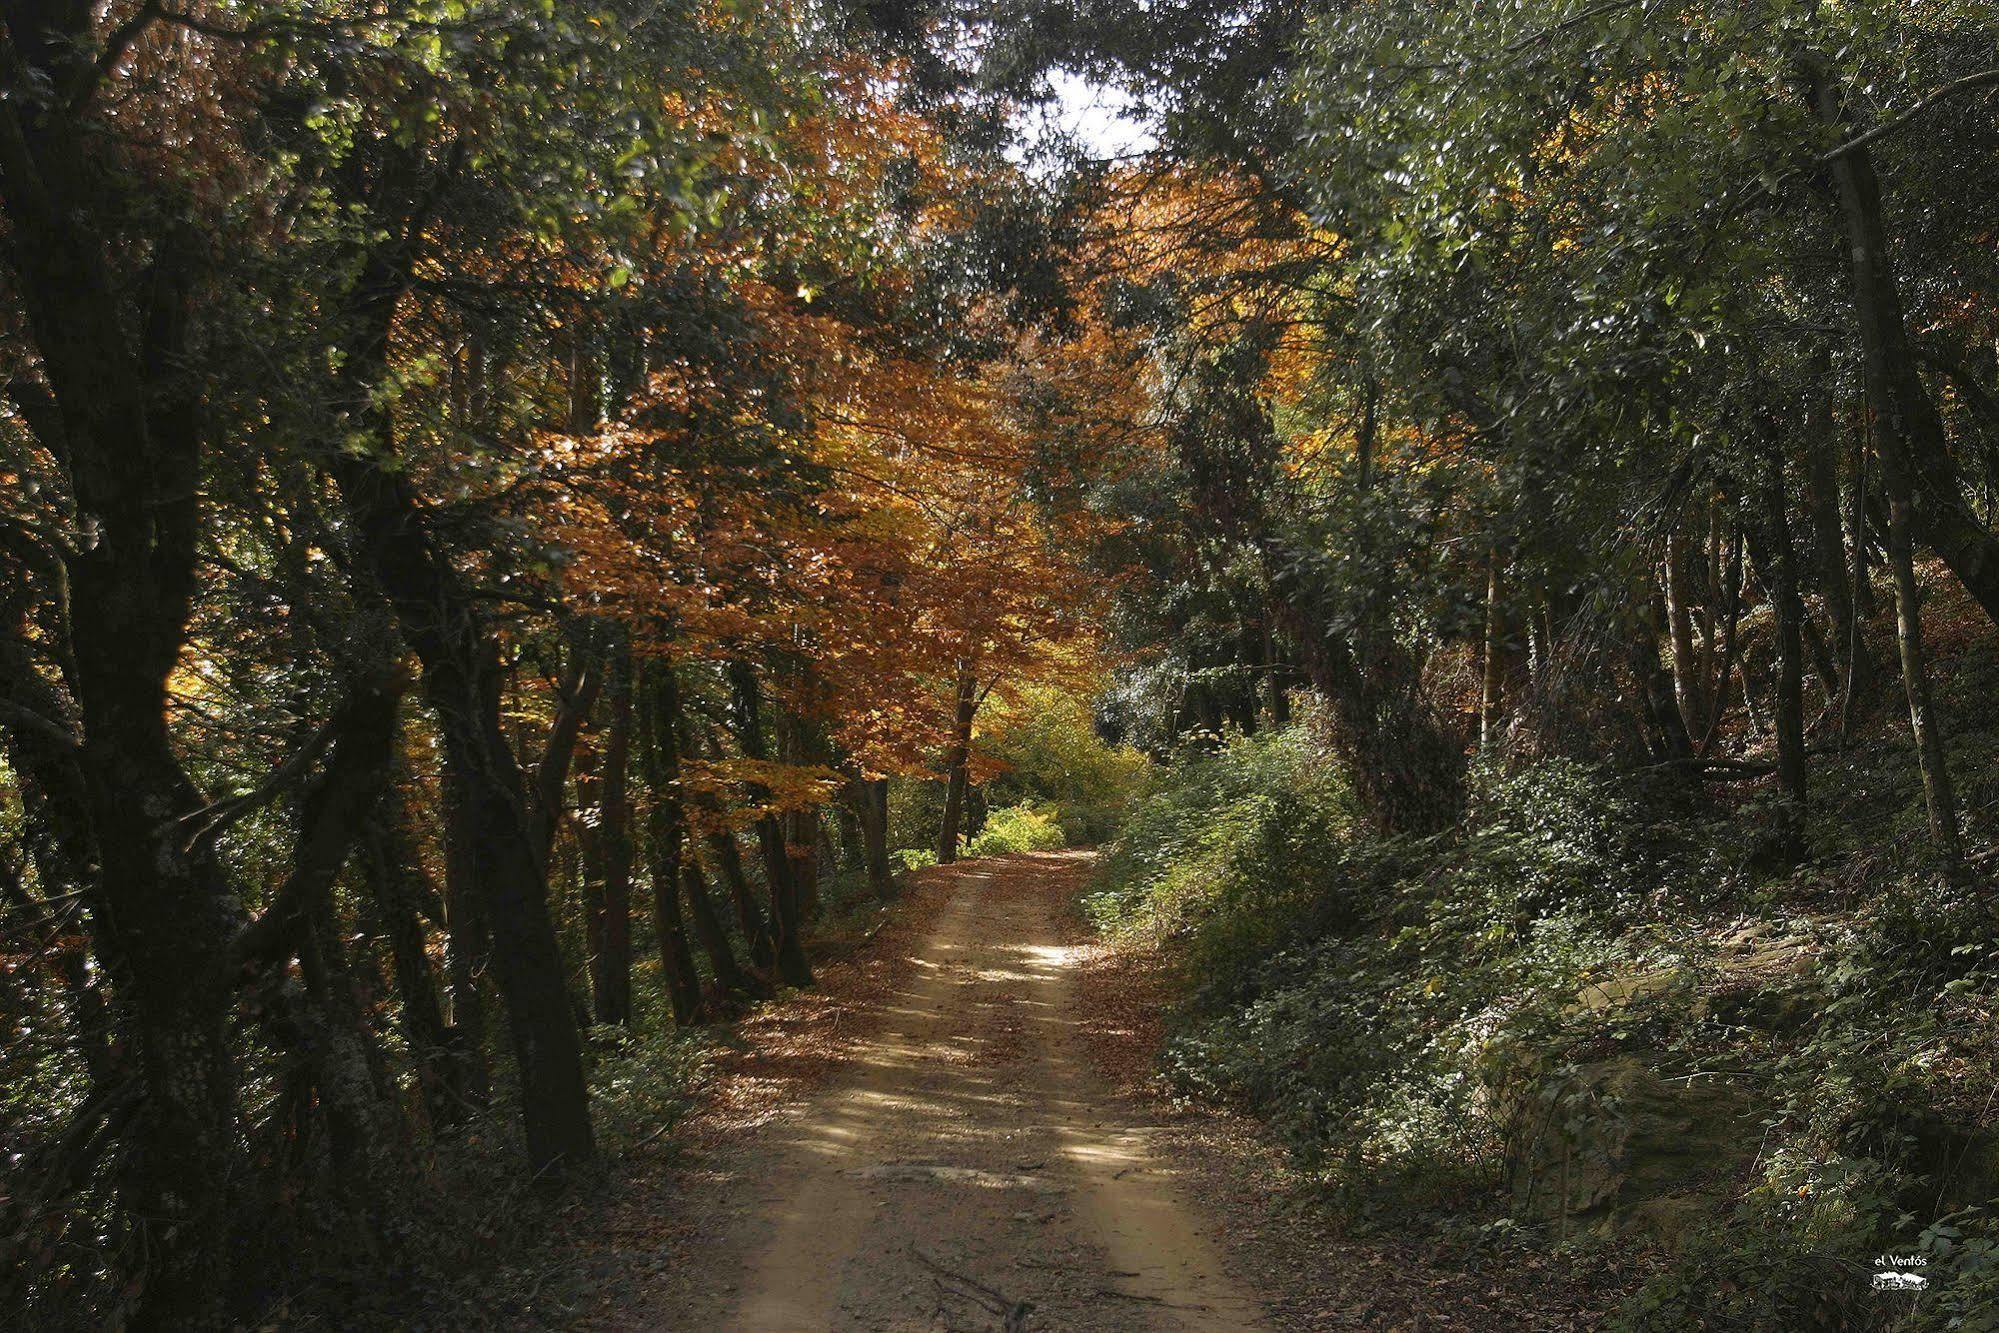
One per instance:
(1046, 752)
(1381, 1002)
(647, 1075)
(1018, 828)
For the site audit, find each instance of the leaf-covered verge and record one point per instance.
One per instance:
(1590, 1019)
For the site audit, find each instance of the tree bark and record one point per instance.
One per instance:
(1731, 645)
(1407, 770)
(401, 893)
(113, 346)
(1680, 621)
(1939, 796)
(732, 983)
(1908, 430)
(400, 555)
(575, 697)
(1492, 682)
(868, 799)
(666, 828)
(467, 946)
(727, 858)
(787, 945)
(607, 852)
(1829, 553)
(1778, 556)
(1665, 729)
(957, 763)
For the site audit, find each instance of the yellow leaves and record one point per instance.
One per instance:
(745, 790)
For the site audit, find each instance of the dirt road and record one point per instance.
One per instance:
(966, 1170)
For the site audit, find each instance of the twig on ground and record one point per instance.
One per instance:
(1148, 1300)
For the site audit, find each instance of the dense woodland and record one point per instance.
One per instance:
(517, 514)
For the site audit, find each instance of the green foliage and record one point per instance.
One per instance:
(915, 811)
(1383, 1002)
(644, 1078)
(1788, 1258)
(1401, 1012)
(912, 858)
(1049, 754)
(1018, 828)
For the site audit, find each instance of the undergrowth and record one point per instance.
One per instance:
(1425, 1023)
(1019, 828)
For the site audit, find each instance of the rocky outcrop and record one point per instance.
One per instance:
(1614, 1147)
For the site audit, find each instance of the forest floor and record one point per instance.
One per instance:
(956, 1131)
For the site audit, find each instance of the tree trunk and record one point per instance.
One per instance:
(1908, 431)
(789, 948)
(1680, 622)
(683, 983)
(868, 798)
(1731, 645)
(1829, 553)
(801, 827)
(1855, 518)
(1407, 770)
(392, 870)
(1492, 683)
(732, 983)
(659, 750)
(1778, 557)
(575, 697)
(1939, 796)
(115, 349)
(727, 858)
(1276, 699)
(957, 764)
(467, 946)
(460, 667)
(607, 851)
(1666, 731)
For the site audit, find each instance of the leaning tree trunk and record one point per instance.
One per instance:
(727, 859)
(1908, 430)
(400, 555)
(364, 1131)
(732, 983)
(401, 894)
(1939, 797)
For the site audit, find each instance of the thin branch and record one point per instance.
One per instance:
(1969, 83)
(14, 714)
(222, 814)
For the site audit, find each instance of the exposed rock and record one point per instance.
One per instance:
(1614, 1147)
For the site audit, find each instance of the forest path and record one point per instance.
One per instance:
(967, 1168)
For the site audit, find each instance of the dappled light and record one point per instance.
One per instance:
(1089, 664)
